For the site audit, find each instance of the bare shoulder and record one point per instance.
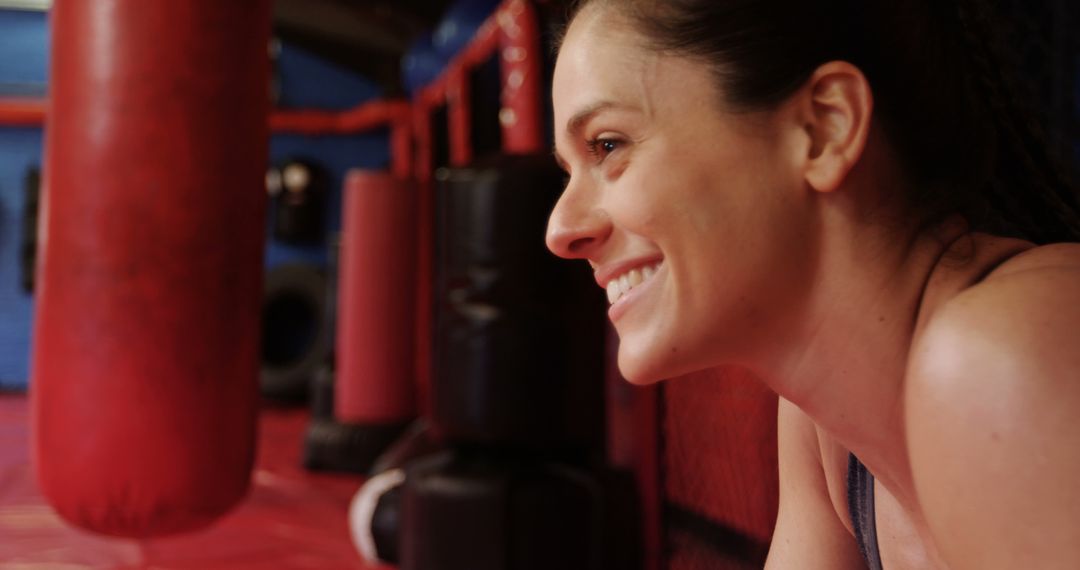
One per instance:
(1052, 256)
(992, 410)
(1022, 318)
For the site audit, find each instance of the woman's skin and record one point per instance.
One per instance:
(947, 361)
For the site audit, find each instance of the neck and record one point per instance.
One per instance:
(848, 370)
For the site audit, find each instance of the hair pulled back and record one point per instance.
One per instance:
(963, 137)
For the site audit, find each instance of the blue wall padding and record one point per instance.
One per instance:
(310, 82)
(20, 149)
(24, 53)
(24, 49)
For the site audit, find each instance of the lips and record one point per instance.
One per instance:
(622, 283)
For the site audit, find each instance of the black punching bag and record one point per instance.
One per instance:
(518, 332)
(517, 389)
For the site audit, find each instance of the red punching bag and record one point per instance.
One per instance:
(146, 341)
(375, 367)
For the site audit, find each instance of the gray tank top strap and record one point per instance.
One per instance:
(860, 487)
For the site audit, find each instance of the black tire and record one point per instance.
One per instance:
(296, 335)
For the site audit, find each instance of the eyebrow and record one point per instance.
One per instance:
(583, 116)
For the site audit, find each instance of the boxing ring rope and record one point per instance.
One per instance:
(365, 117)
(360, 119)
(22, 112)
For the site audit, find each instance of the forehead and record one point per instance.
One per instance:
(604, 60)
(600, 48)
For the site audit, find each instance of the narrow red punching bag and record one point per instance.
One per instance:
(146, 341)
(375, 342)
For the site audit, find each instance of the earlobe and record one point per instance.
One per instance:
(836, 108)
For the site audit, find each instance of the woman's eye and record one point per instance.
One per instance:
(600, 148)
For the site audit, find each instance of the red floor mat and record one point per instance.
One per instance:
(291, 519)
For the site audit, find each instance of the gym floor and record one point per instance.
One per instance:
(291, 519)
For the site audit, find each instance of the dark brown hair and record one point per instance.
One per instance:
(941, 96)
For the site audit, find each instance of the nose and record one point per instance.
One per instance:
(577, 226)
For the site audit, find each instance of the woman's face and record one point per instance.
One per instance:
(693, 218)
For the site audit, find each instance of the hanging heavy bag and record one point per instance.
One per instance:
(146, 342)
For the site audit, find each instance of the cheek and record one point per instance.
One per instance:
(656, 199)
(632, 203)
(730, 235)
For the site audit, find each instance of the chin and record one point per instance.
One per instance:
(642, 369)
(645, 361)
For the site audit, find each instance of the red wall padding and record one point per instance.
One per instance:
(718, 460)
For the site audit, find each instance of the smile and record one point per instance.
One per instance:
(622, 284)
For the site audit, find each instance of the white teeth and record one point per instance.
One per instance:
(622, 284)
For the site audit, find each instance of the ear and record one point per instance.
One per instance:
(835, 107)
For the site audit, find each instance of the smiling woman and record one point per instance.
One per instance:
(843, 199)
